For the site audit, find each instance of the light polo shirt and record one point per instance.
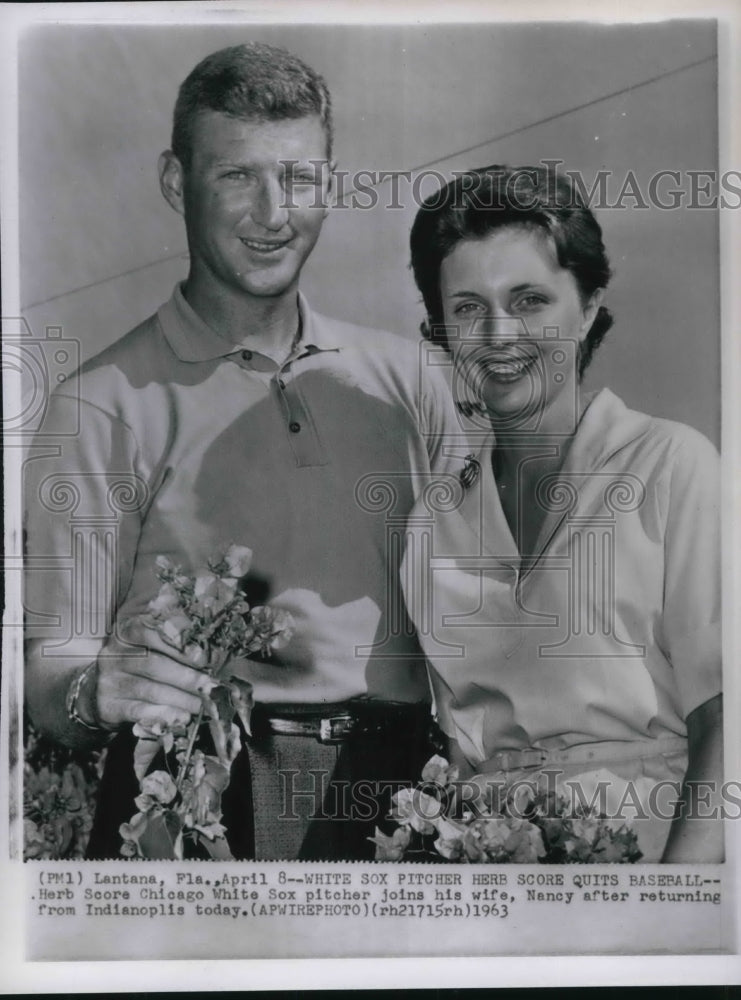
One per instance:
(611, 631)
(188, 443)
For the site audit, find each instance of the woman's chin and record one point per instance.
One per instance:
(506, 401)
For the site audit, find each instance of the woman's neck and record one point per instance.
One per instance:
(522, 460)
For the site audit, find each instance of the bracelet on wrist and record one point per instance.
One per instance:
(73, 698)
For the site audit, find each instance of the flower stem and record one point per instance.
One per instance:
(194, 727)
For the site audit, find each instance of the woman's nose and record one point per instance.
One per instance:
(501, 326)
(269, 208)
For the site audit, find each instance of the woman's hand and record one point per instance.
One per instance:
(697, 832)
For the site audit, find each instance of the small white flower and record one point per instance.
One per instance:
(416, 809)
(239, 559)
(391, 848)
(160, 786)
(437, 769)
(166, 602)
(174, 628)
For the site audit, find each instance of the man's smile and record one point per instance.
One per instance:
(264, 246)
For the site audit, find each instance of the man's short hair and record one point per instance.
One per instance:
(253, 81)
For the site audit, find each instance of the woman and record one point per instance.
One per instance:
(568, 597)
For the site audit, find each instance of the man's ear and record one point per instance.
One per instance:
(590, 311)
(331, 193)
(172, 180)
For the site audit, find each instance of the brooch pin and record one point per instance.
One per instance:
(470, 471)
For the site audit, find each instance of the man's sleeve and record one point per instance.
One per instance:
(446, 439)
(692, 588)
(84, 501)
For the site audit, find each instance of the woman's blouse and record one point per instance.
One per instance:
(611, 630)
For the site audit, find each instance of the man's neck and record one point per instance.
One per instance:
(267, 325)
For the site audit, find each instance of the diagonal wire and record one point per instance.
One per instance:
(113, 277)
(422, 166)
(561, 114)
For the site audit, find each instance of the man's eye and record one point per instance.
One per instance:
(303, 180)
(234, 175)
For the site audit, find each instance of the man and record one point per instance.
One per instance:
(237, 415)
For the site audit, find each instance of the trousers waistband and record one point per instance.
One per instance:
(600, 752)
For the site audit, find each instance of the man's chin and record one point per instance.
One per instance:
(269, 286)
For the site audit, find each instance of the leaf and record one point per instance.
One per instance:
(217, 848)
(243, 701)
(224, 733)
(202, 792)
(144, 753)
(227, 741)
(160, 834)
(63, 834)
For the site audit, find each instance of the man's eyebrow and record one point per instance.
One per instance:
(289, 164)
(218, 161)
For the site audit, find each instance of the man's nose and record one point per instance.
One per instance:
(269, 208)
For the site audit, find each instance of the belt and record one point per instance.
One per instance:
(604, 751)
(336, 723)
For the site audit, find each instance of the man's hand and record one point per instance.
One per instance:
(143, 679)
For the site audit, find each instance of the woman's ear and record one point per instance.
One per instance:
(172, 180)
(590, 310)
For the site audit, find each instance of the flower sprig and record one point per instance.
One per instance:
(544, 829)
(59, 791)
(206, 618)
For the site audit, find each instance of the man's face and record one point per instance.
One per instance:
(251, 221)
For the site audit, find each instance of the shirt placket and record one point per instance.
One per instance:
(300, 428)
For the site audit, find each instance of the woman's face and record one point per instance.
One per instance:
(515, 319)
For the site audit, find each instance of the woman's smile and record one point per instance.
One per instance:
(514, 310)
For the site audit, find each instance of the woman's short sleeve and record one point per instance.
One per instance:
(692, 589)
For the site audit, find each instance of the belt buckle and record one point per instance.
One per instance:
(515, 760)
(539, 757)
(335, 729)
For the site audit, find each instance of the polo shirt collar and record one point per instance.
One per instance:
(193, 340)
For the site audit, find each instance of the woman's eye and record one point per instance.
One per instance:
(527, 303)
(466, 308)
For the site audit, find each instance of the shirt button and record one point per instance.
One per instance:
(294, 427)
(281, 383)
(247, 355)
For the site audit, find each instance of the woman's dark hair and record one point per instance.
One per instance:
(478, 202)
